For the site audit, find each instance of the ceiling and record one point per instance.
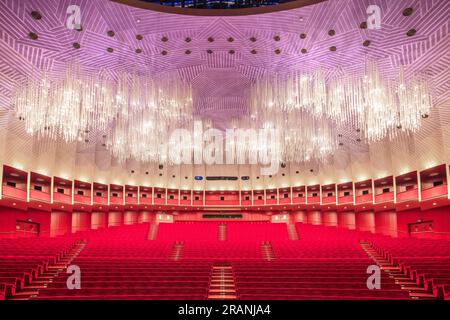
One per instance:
(221, 56)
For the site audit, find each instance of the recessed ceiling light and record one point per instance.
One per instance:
(408, 11)
(36, 15)
(33, 36)
(411, 32)
(434, 174)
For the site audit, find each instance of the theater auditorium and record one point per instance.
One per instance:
(235, 150)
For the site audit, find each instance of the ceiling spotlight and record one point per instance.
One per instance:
(411, 32)
(36, 15)
(408, 11)
(33, 36)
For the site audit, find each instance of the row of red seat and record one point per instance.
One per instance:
(24, 260)
(425, 261)
(326, 263)
(235, 231)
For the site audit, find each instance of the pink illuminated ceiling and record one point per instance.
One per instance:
(243, 47)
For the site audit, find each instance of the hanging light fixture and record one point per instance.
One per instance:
(376, 105)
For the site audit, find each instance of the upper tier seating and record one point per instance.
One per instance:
(260, 231)
(186, 231)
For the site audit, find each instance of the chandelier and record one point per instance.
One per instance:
(376, 106)
(70, 107)
(65, 107)
(137, 113)
(301, 137)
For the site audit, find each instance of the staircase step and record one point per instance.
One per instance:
(222, 297)
(405, 283)
(32, 290)
(221, 285)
